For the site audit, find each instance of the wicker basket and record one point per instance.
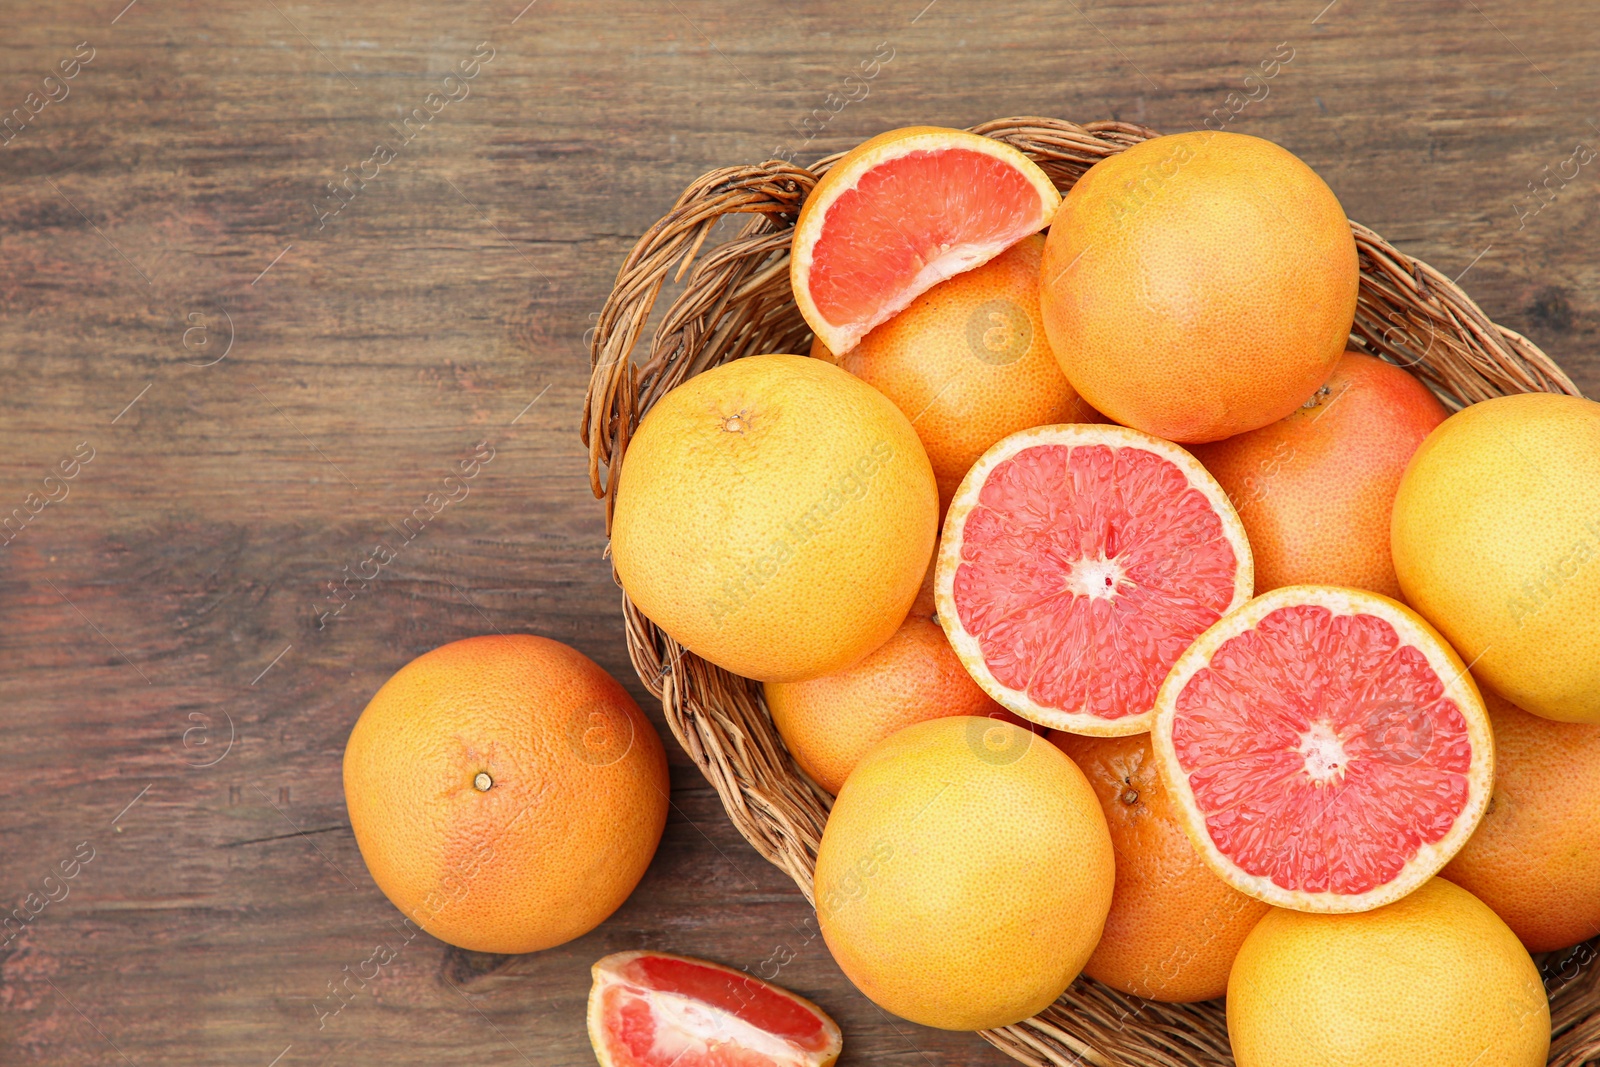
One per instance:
(737, 303)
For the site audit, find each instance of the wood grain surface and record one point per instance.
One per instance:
(270, 374)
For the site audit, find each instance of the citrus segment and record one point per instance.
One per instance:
(1327, 748)
(652, 1009)
(902, 212)
(1077, 563)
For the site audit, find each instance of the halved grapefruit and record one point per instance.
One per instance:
(901, 213)
(1327, 749)
(654, 1009)
(1077, 563)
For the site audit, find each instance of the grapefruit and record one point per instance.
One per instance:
(1535, 858)
(1326, 749)
(505, 792)
(775, 515)
(964, 874)
(1199, 285)
(829, 723)
(654, 1009)
(1435, 978)
(1174, 926)
(1077, 562)
(1496, 541)
(902, 212)
(1315, 489)
(968, 363)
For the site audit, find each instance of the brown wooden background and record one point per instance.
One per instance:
(173, 591)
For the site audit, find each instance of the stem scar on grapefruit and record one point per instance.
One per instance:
(654, 1009)
(902, 212)
(1077, 563)
(1327, 749)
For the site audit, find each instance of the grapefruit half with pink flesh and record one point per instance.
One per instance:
(1077, 563)
(1327, 749)
(653, 1009)
(902, 212)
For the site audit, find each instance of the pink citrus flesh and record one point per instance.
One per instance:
(901, 213)
(1328, 751)
(654, 1009)
(1077, 563)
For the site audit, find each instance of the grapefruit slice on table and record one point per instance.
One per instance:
(902, 212)
(1327, 749)
(653, 1009)
(1077, 563)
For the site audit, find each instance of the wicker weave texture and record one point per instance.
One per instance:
(737, 302)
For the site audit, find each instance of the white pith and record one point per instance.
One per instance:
(1098, 579)
(1411, 630)
(1071, 435)
(684, 1014)
(1324, 753)
(953, 259)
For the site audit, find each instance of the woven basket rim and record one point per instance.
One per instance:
(736, 303)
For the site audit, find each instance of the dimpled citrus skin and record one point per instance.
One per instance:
(1315, 489)
(829, 723)
(1199, 285)
(1434, 978)
(968, 363)
(1535, 858)
(775, 515)
(964, 874)
(1496, 541)
(1174, 926)
(574, 810)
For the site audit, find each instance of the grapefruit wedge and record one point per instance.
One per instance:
(902, 212)
(653, 1009)
(1077, 563)
(1327, 749)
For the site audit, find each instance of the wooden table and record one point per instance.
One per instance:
(268, 373)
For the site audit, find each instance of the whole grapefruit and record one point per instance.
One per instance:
(1199, 285)
(1433, 978)
(505, 792)
(964, 874)
(775, 515)
(1174, 927)
(829, 723)
(1535, 858)
(1496, 541)
(968, 363)
(1315, 489)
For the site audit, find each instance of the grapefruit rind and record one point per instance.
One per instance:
(1412, 630)
(607, 975)
(845, 174)
(967, 645)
